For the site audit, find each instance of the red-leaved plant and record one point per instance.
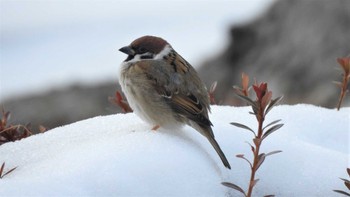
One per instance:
(261, 106)
(211, 93)
(120, 102)
(345, 64)
(10, 133)
(346, 183)
(2, 171)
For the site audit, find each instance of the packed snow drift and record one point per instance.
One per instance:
(119, 155)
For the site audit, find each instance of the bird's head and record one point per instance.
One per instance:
(146, 47)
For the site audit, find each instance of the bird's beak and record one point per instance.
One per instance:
(127, 50)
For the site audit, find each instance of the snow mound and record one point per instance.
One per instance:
(119, 155)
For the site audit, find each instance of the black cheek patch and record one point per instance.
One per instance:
(130, 57)
(146, 57)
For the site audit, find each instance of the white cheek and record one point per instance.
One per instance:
(136, 58)
(164, 52)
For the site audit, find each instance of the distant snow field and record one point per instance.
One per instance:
(118, 155)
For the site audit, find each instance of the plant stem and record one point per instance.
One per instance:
(252, 175)
(256, 152)
(343, 91)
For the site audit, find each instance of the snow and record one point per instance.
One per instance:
(118, 155)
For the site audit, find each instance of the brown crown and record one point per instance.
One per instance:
(150, 43)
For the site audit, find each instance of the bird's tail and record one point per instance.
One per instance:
(208, 133)
(217, 148)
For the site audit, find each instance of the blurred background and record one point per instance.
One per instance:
(59, 60)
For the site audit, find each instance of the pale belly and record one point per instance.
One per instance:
(147, 103)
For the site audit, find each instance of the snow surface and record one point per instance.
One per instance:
(118, 155)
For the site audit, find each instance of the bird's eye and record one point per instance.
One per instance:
(142, 50)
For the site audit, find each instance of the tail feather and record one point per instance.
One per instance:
(208, 133)
(217, 148)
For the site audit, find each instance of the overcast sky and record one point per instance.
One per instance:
(52, 44)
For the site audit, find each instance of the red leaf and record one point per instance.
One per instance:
(119, 101)
(347, 184)
(344, 63)
(42, 129)
(211, 92)
(260, 90)
(2, 169)
(245, 84)
(266, 100)
(257, 141)
(8, 172)
(241, 156)
(245, 81)
(257, 92)
(118, 97)
(251, 146)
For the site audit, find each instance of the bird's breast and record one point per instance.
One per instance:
(144, 99)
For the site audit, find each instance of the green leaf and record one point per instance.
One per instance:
(233, 186)
(345, 180)
(271, 130)
(272, 123)
(255, 181)
(261, 160)
(342, 192)
(273, 152)
(273, 103)
(241, 156)
(248, 100)
(251, 146)
(252, 113)
(8, 172)
(242, 126)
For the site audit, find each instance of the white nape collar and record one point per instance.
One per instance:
(163, 52)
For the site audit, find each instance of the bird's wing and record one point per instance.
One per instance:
(183, 92)
(190, 107)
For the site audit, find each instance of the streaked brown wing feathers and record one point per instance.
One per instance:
(182, 101)
(187, 107)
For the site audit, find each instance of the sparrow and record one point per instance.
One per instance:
(164, 90)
